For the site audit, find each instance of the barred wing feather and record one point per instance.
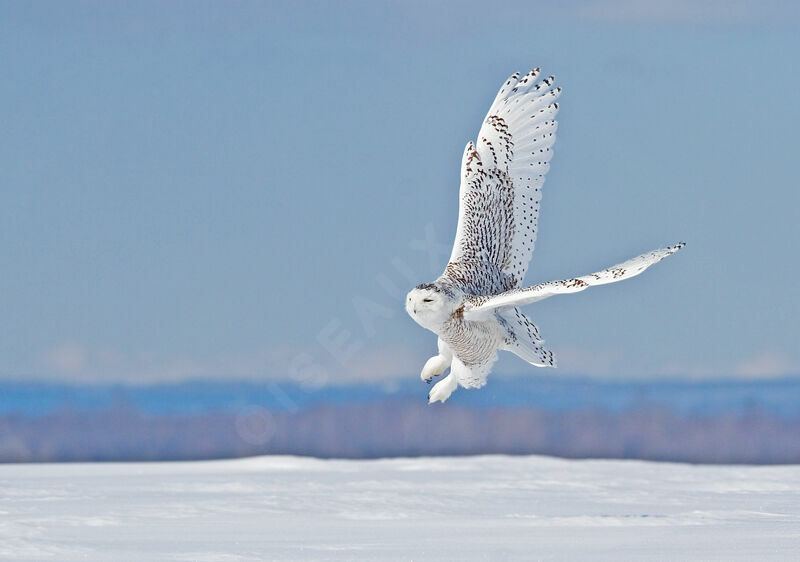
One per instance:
(480, 308)
(501, 185)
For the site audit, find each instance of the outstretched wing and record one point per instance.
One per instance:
(501, 185)
(479, 308)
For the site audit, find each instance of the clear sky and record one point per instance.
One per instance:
(246, 189)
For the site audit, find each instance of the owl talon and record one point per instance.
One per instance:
(442, 390)
(434, 367)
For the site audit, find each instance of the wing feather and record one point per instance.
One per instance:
(502, 174)
(480, 308)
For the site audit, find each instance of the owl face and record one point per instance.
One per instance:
(429, 306)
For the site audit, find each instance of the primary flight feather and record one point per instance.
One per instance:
(474, 305)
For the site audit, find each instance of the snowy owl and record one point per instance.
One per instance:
(474, 305)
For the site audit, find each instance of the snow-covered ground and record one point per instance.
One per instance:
(483, 508)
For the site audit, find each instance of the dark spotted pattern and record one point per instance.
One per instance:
(523, 338)
(501, 185)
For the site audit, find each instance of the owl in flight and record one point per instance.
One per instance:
(474, 305)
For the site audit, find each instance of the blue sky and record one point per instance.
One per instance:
(245, 189)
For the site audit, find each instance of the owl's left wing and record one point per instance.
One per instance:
(501, 179)
(482, 307)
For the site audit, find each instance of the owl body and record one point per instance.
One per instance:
(474, 305)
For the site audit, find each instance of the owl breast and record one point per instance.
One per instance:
(474, 343)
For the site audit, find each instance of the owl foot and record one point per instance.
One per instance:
(442, 390)
(434, 367)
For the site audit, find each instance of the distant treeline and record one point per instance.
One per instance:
(401, 426)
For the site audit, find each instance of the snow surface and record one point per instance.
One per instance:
(481, 508)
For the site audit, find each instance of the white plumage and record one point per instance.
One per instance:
(473, 305)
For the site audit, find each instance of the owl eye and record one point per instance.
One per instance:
(427, 300)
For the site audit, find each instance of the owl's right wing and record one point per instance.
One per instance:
(501, 185)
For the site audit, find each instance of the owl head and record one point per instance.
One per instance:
(430, 305)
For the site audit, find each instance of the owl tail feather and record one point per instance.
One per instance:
(524, 340)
